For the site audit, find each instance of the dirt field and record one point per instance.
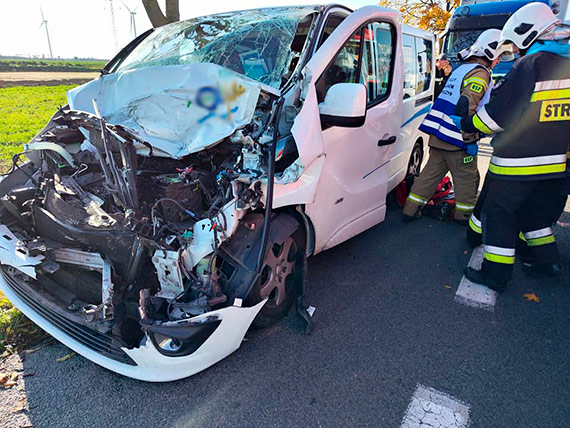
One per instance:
(40, 78)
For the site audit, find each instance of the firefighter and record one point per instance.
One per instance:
(530, 114)
(443, 70)
(450, 149)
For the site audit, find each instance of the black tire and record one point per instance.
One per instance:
(416, 159)
(289, 267)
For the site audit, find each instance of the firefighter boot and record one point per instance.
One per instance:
(539, 270)
(478, 277)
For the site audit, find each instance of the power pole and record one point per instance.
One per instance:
(113, 25)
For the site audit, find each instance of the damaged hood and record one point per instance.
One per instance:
(177, 109)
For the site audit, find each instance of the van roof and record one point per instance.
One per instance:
(406, 29)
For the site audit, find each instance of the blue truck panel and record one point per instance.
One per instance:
(468, 21)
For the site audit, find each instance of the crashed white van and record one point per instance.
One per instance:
(174, 200)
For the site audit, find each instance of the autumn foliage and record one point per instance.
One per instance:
(431, 15)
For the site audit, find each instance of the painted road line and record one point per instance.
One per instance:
(433, 409)
(476, 295)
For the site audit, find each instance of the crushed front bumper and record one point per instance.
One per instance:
(144, 362)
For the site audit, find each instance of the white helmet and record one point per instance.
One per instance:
(527, 24)
(485, 46)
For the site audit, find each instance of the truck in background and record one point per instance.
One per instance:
(473, 17)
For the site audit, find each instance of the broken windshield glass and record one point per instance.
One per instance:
(264, 45)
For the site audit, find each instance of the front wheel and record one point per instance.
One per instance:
(282, 268)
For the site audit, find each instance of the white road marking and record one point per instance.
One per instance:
(476, 295)
(433, 409)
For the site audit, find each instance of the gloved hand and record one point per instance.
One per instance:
(456, 120)
(472, 149)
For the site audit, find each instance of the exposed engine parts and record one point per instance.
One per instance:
(135, 240)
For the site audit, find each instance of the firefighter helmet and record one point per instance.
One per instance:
(486, 46)
(527, 24)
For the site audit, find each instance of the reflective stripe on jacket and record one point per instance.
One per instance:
(438, 121)
(530, 114)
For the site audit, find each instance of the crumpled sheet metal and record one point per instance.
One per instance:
(11, 255)
(178, 109)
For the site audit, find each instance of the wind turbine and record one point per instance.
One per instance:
(133, 23)
(45, 23)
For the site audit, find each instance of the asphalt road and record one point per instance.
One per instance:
(385, 322)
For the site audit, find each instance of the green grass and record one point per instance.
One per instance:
(24, 111)
(15, 329)
(49, 65)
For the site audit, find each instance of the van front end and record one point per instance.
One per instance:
(167, 352)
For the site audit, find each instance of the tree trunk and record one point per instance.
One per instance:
(157, 18)
(172, 11)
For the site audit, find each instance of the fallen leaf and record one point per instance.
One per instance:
(9, 384)
(561, 224)
(531, 297)
(4, 377)
(449, 287)
(19, 408)
(67, 357)
(14, 377)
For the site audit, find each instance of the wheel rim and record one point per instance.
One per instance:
(415, 162)
(278, 273)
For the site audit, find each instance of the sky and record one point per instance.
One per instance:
(82, 28)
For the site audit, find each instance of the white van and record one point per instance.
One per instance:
(176, 198)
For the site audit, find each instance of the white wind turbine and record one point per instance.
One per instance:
(133, 22)
(45, 23)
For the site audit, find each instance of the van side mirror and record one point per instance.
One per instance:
(344, 105)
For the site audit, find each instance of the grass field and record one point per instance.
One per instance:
(24, 111)
(49, 65)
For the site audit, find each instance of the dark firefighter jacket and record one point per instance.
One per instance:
(530, 114)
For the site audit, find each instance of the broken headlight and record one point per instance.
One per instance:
(181, 339)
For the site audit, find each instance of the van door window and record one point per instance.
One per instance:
(343, 68)
(333, 21)
(424, 60)
(376, 68)
(410, 73)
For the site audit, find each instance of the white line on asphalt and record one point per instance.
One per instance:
(476, 295)
(434, 409)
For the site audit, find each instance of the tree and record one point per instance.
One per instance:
(429, 15)
(157, 18)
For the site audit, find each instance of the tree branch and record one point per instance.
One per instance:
(157, 18)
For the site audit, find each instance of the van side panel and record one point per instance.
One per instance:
(419, 85)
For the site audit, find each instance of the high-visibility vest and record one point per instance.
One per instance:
(437, 122)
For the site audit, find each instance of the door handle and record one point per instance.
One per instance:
(387, 141)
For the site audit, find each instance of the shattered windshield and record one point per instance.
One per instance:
(264, 45)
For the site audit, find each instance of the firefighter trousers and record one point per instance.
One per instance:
(475, 229)
(465, 176)
(518, 208)
(554, 209)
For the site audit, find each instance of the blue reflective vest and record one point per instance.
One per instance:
(437, 122)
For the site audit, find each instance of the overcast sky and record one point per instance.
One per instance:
(82, 28)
